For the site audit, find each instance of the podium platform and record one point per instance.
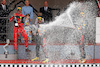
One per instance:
(9, 57)
(54, 52)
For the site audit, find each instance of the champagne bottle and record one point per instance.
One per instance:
(15, 22)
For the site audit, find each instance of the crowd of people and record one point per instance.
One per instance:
(23, 18)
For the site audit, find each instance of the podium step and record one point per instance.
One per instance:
(9, 57)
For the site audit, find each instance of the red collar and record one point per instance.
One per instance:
(3, 4)
(20, 14)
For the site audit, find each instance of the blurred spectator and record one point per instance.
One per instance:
(4, 12)
(47, 12)
(27, 9)
(3, 5)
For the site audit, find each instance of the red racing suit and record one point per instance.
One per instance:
(19, 29)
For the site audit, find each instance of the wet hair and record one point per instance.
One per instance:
(27, 14)
(39, 14)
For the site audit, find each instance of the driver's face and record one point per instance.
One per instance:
(18, 11)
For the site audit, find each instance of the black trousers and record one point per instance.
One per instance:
(39, 41)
